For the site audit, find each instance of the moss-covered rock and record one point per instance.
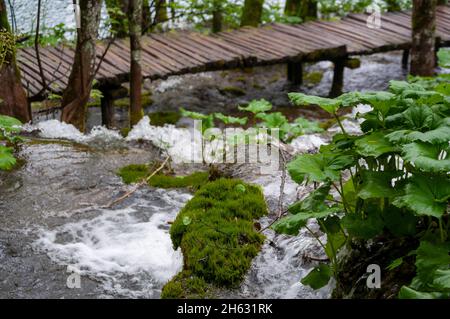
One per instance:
(162, 118)
(185, 285)
(137, 172)
(216, 235)
(314, 77)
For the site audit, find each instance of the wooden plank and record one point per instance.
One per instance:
(53, 74)
(389, 37)
(154, 48)
(326, 28)
(149, 67)
(283, 39)
(212, 46)
(261, 51)
(301, 34)
(168, 43)
(261, 44)
(355, 32)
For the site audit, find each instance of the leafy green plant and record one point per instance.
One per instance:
(392, 182)
(9, 126)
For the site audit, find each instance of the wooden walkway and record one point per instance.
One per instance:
(176, 53)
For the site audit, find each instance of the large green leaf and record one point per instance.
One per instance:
(377, 184)
(292, 224)
(303, 126)
(314, 202)
(439, 135)
(207, 120)
(273, 120)
(318, 277)
(318, 167)
(230, 119)
(374, 144)
(430, 258)
(334, 242)
(426, 195)
(365, 227)
(7, 160)
(398, 87)
(10, 124)
(409, 293)
(329, 105)
(444, 58)
(419, 118)
(257, 106)
(441, 279)
(427, 157)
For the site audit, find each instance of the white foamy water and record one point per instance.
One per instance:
(128, 250)
(54, 129)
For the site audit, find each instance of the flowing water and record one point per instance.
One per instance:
(53, 216)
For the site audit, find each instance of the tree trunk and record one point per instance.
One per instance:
(135, 17)
(304, 9)
(117, 11)
(13, 99)
(76, 95)
(393, 5)
(217, 21)
(252, 13)
(423, 57)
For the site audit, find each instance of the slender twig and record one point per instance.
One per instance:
(141, 183)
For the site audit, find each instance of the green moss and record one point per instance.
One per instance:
(136, 172)
(186, 286)
(194, 181)
(133, 173)
(314, 77)
(124, 131)
(161, 118)
(232, 90)
(216, 234)
(125, 102)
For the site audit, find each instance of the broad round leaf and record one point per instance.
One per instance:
(257, 106)
(318, 277)
(426, 157)
(426, 195)
(329, 105)
(375, 145)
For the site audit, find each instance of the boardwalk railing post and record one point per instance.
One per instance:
(107, 106)
(405, 58)
(338, 77)
(295, 72)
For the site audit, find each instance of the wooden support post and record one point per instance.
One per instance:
(437, 46)
(405, 58)
(295, 72)
(338, 77)
(107, 106)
